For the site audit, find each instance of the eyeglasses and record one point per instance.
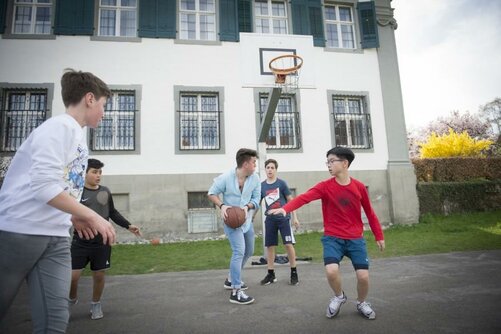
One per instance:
(332, 161)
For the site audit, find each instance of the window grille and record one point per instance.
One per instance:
(202, 217)
(352, 124)
(22, 111)
(117, 130)
(285, 130)
(199, 121)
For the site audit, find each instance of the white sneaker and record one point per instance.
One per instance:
(96, 312)
(366, 310)
(335, 306)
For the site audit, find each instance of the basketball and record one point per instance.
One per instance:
(235, 217)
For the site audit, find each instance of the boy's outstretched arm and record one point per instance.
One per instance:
(87, 223)
(121, 220)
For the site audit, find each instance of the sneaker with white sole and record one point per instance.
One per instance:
(96, 312)
(227, 285)
(239, 297)
(335, 306)
(268, 279)
(366, 310)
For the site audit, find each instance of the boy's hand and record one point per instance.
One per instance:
(223, 211)
(296, 224)
(380, 244)
(279, 211)
(89, 228)
(83, 229)
(134, 230)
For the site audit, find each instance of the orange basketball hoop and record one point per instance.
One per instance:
(286, 68)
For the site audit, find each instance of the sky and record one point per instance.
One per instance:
(449, 54)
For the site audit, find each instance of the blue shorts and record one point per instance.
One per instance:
(272, 227)
(335, 249)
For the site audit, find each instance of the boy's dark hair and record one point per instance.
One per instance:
(271, 161)
(342, 153)
(245, 154)
(94, 163)
(74, 86)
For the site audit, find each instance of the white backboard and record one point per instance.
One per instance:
(258, 49)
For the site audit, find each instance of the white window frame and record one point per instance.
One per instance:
(198, 113)
(362, 117)
(338, 23)
(184, 34)
(270, 17)
(118, 8)
(116, 114)
(34, 5)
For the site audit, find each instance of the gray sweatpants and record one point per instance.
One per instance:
(45, 263)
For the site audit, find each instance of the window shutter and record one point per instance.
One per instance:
(3, 10)
(157, 18)
(307, 20)
(228, 15)
(368, 24)
(316, 22)
(300, 19)
(245, 15)
(74, 17)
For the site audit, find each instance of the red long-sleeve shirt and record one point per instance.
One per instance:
(341, 208)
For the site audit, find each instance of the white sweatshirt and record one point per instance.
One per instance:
(52, 159)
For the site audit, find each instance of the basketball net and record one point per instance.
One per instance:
(286, 69)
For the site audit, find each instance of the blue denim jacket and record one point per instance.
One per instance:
(227, 184)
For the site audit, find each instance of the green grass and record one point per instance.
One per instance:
(434, 234)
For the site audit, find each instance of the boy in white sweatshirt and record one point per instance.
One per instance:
(39, 201)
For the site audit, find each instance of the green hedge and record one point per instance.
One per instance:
(455, 197)
(457, 169)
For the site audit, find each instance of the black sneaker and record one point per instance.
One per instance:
(241, 298)
(227, 285)
(294, 279)
(270, 278)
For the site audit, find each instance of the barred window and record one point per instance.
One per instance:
(117, 130)
(339, 27)
(284, 131)
(21, 112)
(202, 217)
(118, 18)
(352, 124)
(270, 16)
(199, 121)
(197, 20)
(32, 17)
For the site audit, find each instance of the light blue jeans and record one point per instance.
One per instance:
(45, 263)
(242, 246)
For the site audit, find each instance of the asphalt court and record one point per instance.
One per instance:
(443, 293)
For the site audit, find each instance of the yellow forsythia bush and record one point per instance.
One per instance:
(453, 145)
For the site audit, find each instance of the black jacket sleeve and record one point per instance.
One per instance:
(116, 216)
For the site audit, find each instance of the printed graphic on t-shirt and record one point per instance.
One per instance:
(272, 198)
(74, 175)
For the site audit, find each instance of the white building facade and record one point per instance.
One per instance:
(190, 83)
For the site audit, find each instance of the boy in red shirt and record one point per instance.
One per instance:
(342, 199)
